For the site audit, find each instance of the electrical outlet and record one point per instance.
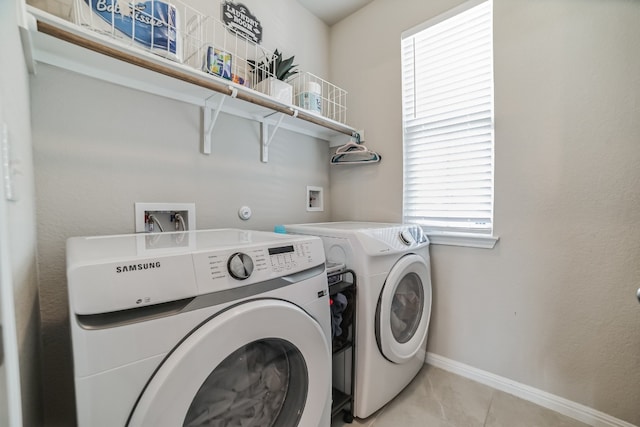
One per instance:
(163, 217)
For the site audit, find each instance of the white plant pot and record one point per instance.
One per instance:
(276, 89)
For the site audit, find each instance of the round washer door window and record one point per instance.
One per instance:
(260, 363)
(404, 308)
(263, 383)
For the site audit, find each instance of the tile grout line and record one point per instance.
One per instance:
(486, 417)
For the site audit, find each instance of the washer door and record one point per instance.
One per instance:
(404, 308)
(260, 363)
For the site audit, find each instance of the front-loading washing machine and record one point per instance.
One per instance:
(203, 328)
(392, 265)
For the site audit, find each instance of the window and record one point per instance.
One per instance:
(447, 94)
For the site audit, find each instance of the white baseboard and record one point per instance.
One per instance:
(556, 403)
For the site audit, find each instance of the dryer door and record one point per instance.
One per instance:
(259, 363)
(404, 308)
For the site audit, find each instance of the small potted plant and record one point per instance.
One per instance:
(271, 74)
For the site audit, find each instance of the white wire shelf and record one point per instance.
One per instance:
(182, 34)
(58, 42)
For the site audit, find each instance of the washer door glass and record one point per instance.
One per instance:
(404, 308)
(263, 383)
(259, 363)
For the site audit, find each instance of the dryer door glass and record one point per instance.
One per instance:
(404, 308)
(263, 383)
(407, 307)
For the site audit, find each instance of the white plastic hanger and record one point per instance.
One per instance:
(354, 153)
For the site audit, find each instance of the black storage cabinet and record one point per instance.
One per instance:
(344, 281)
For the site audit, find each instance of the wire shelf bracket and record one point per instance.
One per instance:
(266, 138)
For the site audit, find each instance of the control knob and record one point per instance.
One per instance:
(240, 266)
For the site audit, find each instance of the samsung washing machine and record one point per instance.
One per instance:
(215, 328)
(391, 262)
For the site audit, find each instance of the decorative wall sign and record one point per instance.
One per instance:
(238, 19)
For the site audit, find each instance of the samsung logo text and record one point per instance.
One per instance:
(137, 267)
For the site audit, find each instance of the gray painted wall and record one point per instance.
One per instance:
(14, 104)
(553, 305)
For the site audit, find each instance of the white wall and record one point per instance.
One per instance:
(553, 305)
(99, 148)
(14, 104)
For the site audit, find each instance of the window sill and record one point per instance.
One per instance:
(463, 239)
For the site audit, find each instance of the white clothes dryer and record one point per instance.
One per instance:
(216, 328)
(392, 265)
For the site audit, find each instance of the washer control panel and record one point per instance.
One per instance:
(113, 273)
(228, 269)
(283, 258)
(290, 258)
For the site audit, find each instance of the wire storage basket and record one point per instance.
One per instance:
(319, 96)
(179, 32)
(212, 48)
(155, 26)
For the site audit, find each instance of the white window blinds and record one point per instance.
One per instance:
(447, 91)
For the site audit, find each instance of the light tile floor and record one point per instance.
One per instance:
(438, 398)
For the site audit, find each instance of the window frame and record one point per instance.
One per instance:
(450, 237)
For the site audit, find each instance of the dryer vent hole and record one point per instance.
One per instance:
(314, 199)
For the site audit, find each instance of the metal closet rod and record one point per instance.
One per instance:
(207, 83)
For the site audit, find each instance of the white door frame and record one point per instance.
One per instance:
(9, 366)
